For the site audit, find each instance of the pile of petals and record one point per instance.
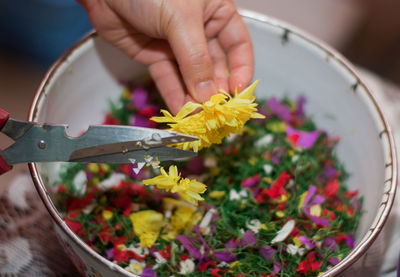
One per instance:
(213, 120)
(276, 204)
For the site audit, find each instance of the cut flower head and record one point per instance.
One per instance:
(216, 119)
(188, 190)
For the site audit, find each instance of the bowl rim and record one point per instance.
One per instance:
(288, 29)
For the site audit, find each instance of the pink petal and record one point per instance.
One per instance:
(249, 238)
(267, 252)
(279, 109)
(189, 247)
(251, 181)
(306, 139)
(317, 220)
(350, 241)
(139, 98)
(224, 256)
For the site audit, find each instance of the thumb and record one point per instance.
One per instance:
(189, 44)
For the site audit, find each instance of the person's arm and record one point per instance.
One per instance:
(189, 46)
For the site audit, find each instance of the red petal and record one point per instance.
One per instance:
(74, 225)
(331, 188)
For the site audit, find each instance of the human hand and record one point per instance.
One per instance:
(189, 46)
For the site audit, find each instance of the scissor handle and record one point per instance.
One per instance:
(4, 116)
(4, 166)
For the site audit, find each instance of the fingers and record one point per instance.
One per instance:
(188, 42)
(235, 41)
(220, 64)
(165, 73)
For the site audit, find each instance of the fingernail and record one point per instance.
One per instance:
(204, 90)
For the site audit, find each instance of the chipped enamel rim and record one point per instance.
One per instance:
(288, 30)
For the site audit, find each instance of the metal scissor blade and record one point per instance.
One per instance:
(156, 139)
(47, 143)
(162, 153)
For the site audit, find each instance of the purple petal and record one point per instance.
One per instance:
(333, 261)
(224, 256)
(152, 250)
(251, 181)
(277, 152)
(132, 173)
(140, 121)
(249, 238)
(350, 241)
(318, 199)
(307, 242)
(148, 272)
(274, 160)
(139, 98)
(306, 139)
(277, 268)
(279, 109)
(196, 165)
(256, 192)
(329, 243)
(206, 248)
(231, 244)
(317, 220)
(330, 172)
(356, 204)
(310, 193)
(109, 253)
(267, 252)
(301, 100)
(189, 247)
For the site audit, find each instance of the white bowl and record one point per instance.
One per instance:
(77, 88)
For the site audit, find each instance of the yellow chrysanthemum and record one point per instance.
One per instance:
(219, 117)
(147, 225)
(188, 190)
(185, 218)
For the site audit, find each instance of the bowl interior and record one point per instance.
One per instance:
(79, 90)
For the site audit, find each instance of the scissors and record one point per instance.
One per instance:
(36, 142)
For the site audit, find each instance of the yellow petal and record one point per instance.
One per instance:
(147, 225)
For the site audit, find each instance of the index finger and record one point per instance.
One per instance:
(236, 42)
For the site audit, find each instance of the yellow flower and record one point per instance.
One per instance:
(184, 218)
(147, 225)
(217, 194)
(107, 215)
(316, 210)
(188, 190)
(219, 117)
(93, 168)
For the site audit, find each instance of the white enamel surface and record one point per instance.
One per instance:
(79, 90)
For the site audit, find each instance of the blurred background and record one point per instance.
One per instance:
(33, 33)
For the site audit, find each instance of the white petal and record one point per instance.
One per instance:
(112, 181)
(140, 166)
(268, 168)
(292, 249)
(253, 225)
(264, 141)
(233, 195)
(187, 266)
(243, 193)
(210, 162)
(207, 218)
(79, 182)
(159, 259)
(284, 232)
